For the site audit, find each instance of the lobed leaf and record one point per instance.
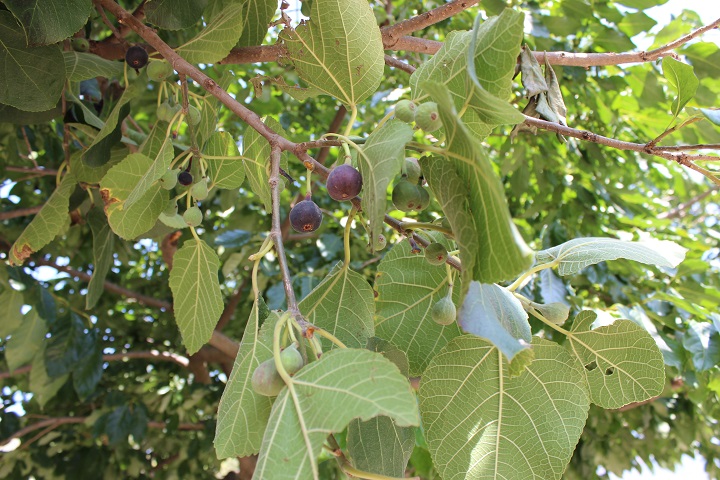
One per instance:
(174, 14)
(50, 21)
(215, 41)
(225, 173)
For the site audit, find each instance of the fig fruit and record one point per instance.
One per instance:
(305, 216)
(344, 183)
(423, 201)
(169, 179)
(291, 359)
(166, 112)
(193, 216)
(199, 191)
(193, 116)
(80, 44)
(171, 208)
(428, 117)
(406, 196)
(136, 57)
(159, 70)
(380, 243)
(444, 311)
(405, 111)
(436, 253)
(266, 380)
(412, 171)
(185, 178)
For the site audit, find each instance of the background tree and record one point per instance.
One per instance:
(154, 153)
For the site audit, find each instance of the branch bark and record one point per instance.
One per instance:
(20, 212)
(393, 33)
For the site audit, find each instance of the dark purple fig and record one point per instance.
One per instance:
(305, 216)
(344, 183)
(136, 57)
(185, 178)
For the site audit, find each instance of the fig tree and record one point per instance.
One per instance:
(344, 183)
(405, 111)
(193, 216)
(166, 112)
(428, 117)
(436, 253)
(406, 196)
(291, 359)
(444, 311)
(266, 380)
(305, 216)
(171, 208)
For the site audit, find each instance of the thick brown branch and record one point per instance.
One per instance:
(681, 158)
(393, 33)
(32, 171)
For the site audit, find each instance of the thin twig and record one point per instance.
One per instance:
(40, 171)
(393, 33)
(115, 32)
(20, 212)
(680, 210)
(399, 64)
(681, 148)
(658, 52)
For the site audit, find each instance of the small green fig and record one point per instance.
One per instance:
(380, 243)
(436, 253)
(406, 196)
(193, 216)
(193, 116)
(159, 70)
(166, 112)
(291, 359)
(423, 201)
(444, 311)
(428, 117)
(173, 221)
(199, 190)
(266, 380)
(80, 44)
(169, 179)
(405, 111)
(412, 171)
(171, 208)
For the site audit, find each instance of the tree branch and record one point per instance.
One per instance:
(681, 158)
(20, 212)
(32, 171)
(400, 65)
(393, 33)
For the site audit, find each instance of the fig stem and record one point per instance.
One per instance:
(346, 237)
(527, 305)
(517, 283)
(353, 116)
(329, 336)
(387, 117)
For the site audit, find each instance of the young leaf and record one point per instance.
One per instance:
(339, 50)
(493, 313)
(342, 385)
(197, 301)
(576, 254)
(33, 77)
(343, 304)
(243, 414)
(26, 341)
(494, 251)
(50, 21)
(682, 77)
(379, 161)
(480, 422)
(49, 222)
(103, 247)
(622, 363)
(215, 41)
(407, 287)
(228, 173)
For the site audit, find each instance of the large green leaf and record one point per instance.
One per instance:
(343, 304)
(115, 188)
(33, 77)
(482, 423)
(243, 414)
(258, 14)
(157, 169)
(622, 363)
(380, 159)
(495, 251)
(224, 173)
(407, 287)
(363, 384)
(26, 341)
(576, 254)
(43, 386)
(83, 66)
(197, 301)
(103, 248)
(98, 152)
(50, 21)
(174, 14)
(493, 313)
(339, 50)
(52, 219)
(256, 153)
(682, 77)
(216, 40)
(70, 343)
(11, 316)
(16, 116)
(703, 343)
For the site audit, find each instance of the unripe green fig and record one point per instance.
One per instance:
(423, 201)
(169, 179)
(412, 171)
(171, 208)
(291, 359)
(193, 216)
(444, 311)
(159, 70)
(266, 380)
(405, 111)
(199, 191)
(80, 44)
(193, 116)
(166, 112)
(436, 253)
(406, 196)
(380, 243)
(173, 221)
(428, 117)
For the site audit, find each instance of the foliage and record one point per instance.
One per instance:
(581, 266)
